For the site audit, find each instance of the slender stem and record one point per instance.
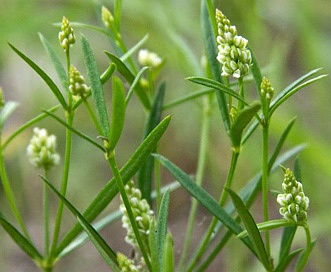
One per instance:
(46, 217)
(204, 142)
(93, 116)
(265, 185)
(241, 92)
(305, 257)
(10, 195)
(204, 243)
(119, 182)
(64, 183)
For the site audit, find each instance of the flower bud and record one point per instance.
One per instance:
(147, 58)
(66, 35)
(77, 85)
(107, 18)
(267, 91)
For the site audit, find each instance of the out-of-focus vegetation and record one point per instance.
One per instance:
(289, 38)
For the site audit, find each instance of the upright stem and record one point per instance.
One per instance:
(241, 92)
(265, 185)
(204, 142)
(120, 185)
(46, 218)
(204, 243)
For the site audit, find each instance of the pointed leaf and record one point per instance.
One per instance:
(169, 262)
(256, 71)
(44, 76)
(251, 228)
(6, 111)
(128, 75)
(105, 251)
(203, 197)
(20, 240)
(107, 194)
(304, 256)
(284, 263)
(145, 173)
(240, 123)
(96, 87)
(153, 248)
(56, 62)
(135, 83)
(286, 242)
(118, 112)
(161, 227)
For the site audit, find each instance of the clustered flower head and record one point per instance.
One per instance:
(267, 90)
(142, 212)
(42, 149)
(77, 85)
(66, 35)
(126, 264)
(147, 58)
(294, 204)
(232, 49)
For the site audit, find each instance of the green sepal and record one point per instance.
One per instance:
(118, 112)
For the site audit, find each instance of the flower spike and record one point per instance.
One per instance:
(66, 35)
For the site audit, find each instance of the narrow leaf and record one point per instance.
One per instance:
(107, 194)
(161, 227)
(145, 173)
(129, 77)
(44, 76)
(6, 111)
(169, 262)
(134, 84)
(217, 86)
(256, 71)
(153, 248)
(286, 242)
(96, 87)
(203, 197)
(239, 124)
(56, 62)
(251, 228)
(118, 112)
(105, 251)
(20, 240)
(284, 263)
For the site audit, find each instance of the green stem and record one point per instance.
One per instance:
(265, 185)
(93, 116)
(120, 185)
(64, 183)
(241, 92)
(10, 195)
(307, 252)
(204, 143)
(203, 245)
(46, 218)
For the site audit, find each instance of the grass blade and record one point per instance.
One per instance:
(50, 83)
(96, 87)
(203, 197)
(20, 240)
(105, 251)
(251, 228)
(107, 194)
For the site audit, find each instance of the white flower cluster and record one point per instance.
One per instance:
(142, 212)
(294, 204)
(77, 85)
(232, 52)
(66, 35)
(41, 150)
(147, 58)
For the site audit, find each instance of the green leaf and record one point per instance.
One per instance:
(20, 240)
(145, 173)
(169, 262)
(134, 48)
(6, 111)
(56, 62)
(117, 14)
(256, 71)
(105, 251)
(161, 227)
(282, 266)
(118, 112)
(239, 124)
(107, 194)
(203, 197)
(286, 242)
(96, 87)
(217, 86)
(129, 77)
(303, 258)
(44, 76)
(251, 228)
(153, 248)
(135, 83)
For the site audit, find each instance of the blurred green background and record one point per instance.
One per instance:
(289, 38)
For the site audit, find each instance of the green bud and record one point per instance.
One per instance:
(107, 18)
(66, 35)
(267, 91)
(77, 85)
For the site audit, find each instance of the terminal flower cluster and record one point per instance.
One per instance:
(294, 204)
(66, 35)
(232, 49)
(42, 149)
(147, 58)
